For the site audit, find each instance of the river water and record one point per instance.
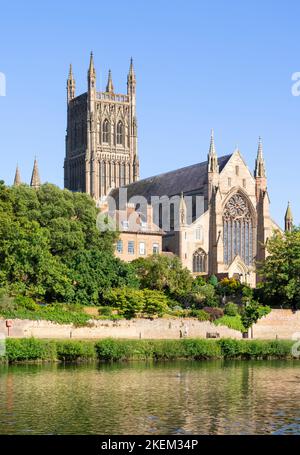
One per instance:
(207, 397)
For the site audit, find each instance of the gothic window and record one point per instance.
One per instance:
(199, 261)
(105, 131)
(120, 133)
(237, 230)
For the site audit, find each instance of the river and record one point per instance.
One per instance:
(207, 397)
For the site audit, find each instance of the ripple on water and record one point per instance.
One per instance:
(160, 398)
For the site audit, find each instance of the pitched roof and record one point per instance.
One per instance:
(184, 180)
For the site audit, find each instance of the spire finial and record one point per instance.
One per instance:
(17, 179)
(260, 170)
(212, 148)
(92, 66)
(35, 178)
(288, 219)
(110, 86)
(131, 69)
(71, 72)
(212, 155)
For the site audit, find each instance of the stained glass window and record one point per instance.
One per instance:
(237, 230)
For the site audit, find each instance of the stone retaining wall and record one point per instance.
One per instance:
(281, 324)
(135, 328)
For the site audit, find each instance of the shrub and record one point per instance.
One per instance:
(214, 313)
(29, 349)
(113, 350)
(26, 302)
(129, 302)
(156, 302)
(201, 315)
(55, 313)
(201, 349)
(232, 348)
(231, 309)
(213, 280)
(105, 311)
(229, 286)
(75, 350)
(7, 303)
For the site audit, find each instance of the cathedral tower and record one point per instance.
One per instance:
(101, 140)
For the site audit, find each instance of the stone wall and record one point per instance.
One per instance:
(134, 329)
(282, 324)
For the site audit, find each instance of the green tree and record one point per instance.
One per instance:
(51, 249)
(252, 312)
(129, 302)
(163, 273)
(280, 271)
(156, 302)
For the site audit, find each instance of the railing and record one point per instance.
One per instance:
(112, 97)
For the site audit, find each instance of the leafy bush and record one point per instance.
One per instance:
(75, 350)
(156, 302)
(214, 313)
(233, 322)
(105, 311)
(129, 302)
(26, 302)
(229, 286)
(29, 349)
(201, 315)
(6, 303)
(213, 280)
(231, 309)
(55, 313)
(112, 350)
(256, 349)
(163, 273)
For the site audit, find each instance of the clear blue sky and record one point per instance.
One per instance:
(199, 64)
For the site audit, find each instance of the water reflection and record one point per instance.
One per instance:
(163, 398)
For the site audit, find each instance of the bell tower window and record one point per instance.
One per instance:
(105, 132)
(120, 133)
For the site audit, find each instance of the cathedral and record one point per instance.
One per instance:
(214, 215)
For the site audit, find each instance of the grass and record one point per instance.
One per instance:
(36, 350)
(233, 322)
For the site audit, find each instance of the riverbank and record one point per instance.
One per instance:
(35, 350)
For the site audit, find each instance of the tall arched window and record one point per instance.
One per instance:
(105, 131)
(199, 261)
(237, 230)
(120, 133)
